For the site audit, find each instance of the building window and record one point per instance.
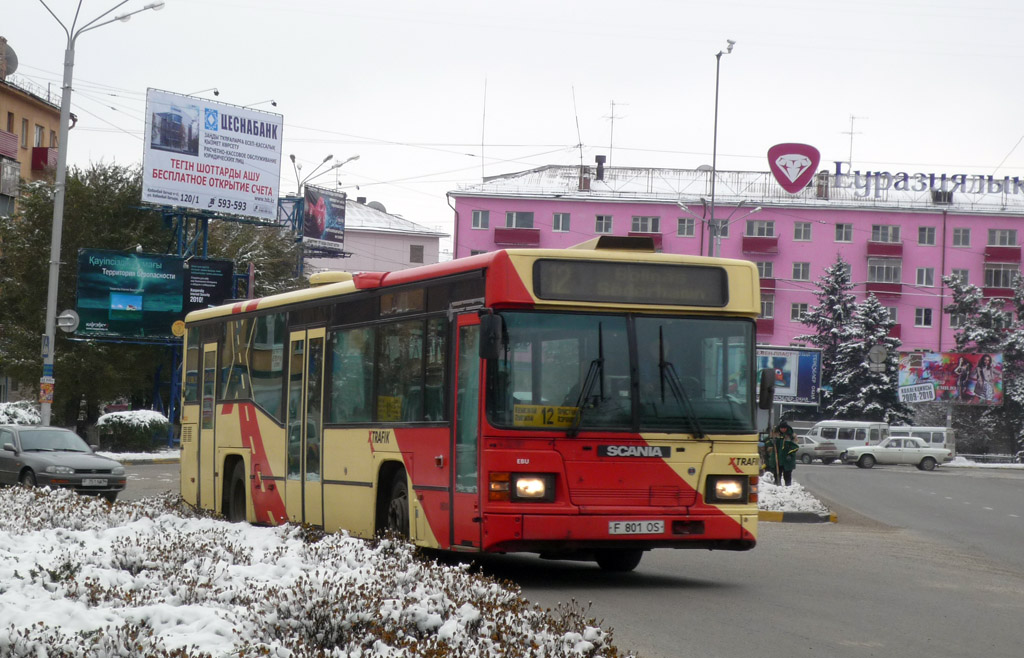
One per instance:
(797, 312)
(37, 140)
(1002, 321)
(926, 277)
(761, 228)
(766, 269)
(477, 252)
(24, 133)
(801, 271)
(802, 231)
(956, 319)
(10, 122)
(892, 313)
(885, 233)
(518, 219)
(481, 218)
(53, 139)
(926, 235)
(686, 227)
(723, 228)
(767, 306)
(603, 224)
(885, 270)
(844, 232)
(961, 274)
(847, 268)
(560, 222)
(1000, 275)
(922, 317)
(415, 253)
(1002, 237)
(961, 237)
(646, 224)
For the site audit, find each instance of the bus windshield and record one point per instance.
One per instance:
(623, 372)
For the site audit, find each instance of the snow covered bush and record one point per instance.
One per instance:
(80, 578)
(132, 431)
(18, 413)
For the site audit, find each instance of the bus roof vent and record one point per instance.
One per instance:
(323, 278)
(619, 243)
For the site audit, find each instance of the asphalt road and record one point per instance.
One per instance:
(885, 581)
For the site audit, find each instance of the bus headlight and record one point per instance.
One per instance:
(521, 487)
(726, 489)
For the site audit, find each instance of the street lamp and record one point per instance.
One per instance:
(714, 149)
(313, 174)
(59, 189)
(729, 220)
(269, 100)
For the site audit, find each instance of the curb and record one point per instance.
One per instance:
(797, 517)
(143, 462)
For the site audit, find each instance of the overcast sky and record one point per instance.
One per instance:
(434, 95)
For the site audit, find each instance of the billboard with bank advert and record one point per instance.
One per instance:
(797, 372)
(955, 377)
(140, 296)
(323, 219)
(211, 156)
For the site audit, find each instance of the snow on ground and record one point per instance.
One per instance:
(961, 462)
(80, 578)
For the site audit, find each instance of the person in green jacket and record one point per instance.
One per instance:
(781, 454)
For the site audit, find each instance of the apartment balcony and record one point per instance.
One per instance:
(1002, 254)
(517, 237)
(757, 244)
(997, 293)
(768, 285)
(765, 326)
(884, 289)
(44, 158)
(885, 249)
(8, 145)
(896, 331)
(656, 237)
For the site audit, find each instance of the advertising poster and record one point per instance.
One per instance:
(797, 373)
(323, 219)
(956, 377)
(211, 156)
(140, 296)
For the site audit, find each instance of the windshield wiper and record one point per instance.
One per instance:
(669, 374)
(595, 375)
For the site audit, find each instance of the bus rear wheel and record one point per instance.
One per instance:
(398, 507)
(620, 560)
(235, 507)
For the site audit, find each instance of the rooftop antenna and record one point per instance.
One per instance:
(611, 137)
(579, 140)
(483, 129)
(851, 133)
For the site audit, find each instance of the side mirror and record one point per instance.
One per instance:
(9, 447)
(491, 339)
(766, 389)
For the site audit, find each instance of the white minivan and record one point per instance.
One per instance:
(936, 437)
(848, 433)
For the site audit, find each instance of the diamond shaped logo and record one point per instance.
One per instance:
(793, 165)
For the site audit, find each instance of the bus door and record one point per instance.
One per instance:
(205, 453)
(465, 488)
(303, 484)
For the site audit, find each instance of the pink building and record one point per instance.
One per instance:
(899, 231)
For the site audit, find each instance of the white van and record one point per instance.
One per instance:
(936, 437)
(848, 433)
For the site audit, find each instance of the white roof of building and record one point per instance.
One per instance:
(363, 217)
(865, 191)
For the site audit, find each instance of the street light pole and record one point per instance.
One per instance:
(714, 150)
(47, 380)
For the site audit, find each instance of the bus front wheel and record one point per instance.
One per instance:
(618, 560)
(398, 506)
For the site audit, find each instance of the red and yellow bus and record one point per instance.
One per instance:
(585, 403)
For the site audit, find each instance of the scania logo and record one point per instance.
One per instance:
(634, 451)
